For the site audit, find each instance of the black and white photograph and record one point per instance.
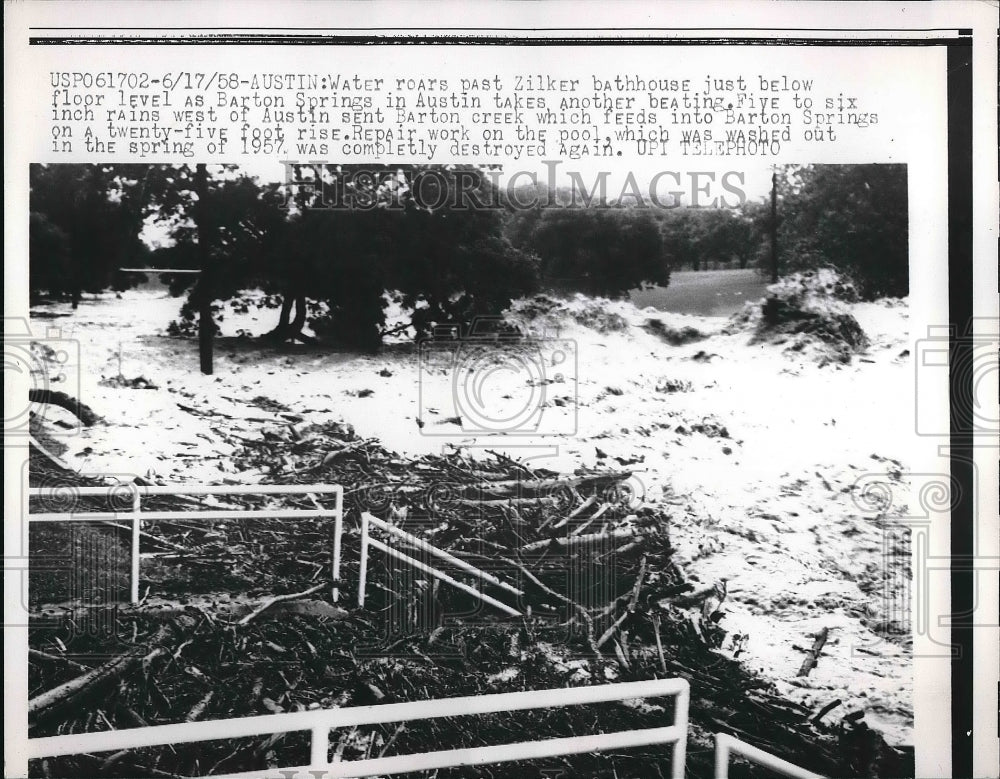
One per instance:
(716, 381)
(360, 440)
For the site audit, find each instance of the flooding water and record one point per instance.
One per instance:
(704, 293)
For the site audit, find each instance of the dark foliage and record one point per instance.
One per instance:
(84, 224)
(849, 217)
(599, 251)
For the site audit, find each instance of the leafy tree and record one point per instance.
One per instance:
(227, 225)
(342, 235)
(49, 256)
(85, 223)
(697, 237)
(432, 233)
(598, 251)
(850, 217)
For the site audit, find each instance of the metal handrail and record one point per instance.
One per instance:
(726, 745)
(368, 521)
(320, 721)
(136, 516)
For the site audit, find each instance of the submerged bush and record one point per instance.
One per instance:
(809, 307)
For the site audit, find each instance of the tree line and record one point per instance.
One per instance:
(347, 235)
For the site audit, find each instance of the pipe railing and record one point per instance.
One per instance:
(368, 522)
(136, 516)
(320, 722)
(726, 745)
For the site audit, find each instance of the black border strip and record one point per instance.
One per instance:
(960, 278)
(251, 39)
(960, 270)
(261, 30)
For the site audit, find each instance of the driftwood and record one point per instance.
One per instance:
(825, 710)
(518, 487)
(44, 657)
(812, 656)
(590, 520)
(593, 538)
(633, 602)
(295, 663)
(199, 708)
(236, 609)
(278, 599)
(55, 460)
(540, 500)
(659, 643)
(573, 514)
(71, 693)
(588, 621)
(55, 398)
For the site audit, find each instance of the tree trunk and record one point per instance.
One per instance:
(206, 328)
(288, 327)
(76, 292)
(280, 332)
(300, 316)
(774, 228)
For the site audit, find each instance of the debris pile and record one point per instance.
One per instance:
(807, 311)
(548, 314)
(251, 628)
(675, 336)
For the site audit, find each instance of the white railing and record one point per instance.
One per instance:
(136, 516)
(726, 745)
(368, 522)
(320, 721)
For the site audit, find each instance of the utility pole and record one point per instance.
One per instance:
(206, 328)
(774, 227)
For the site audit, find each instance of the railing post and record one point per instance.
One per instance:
(338, 529)
(319, 747)
(682, 702)
(721, 756)
(134, 580)
(363, 573)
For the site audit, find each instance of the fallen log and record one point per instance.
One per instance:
(538, 500)
(71, 693)
(532, 486)
(199, 708)
(588, 621)
(55, 398)
(812, 656)
(592, 538)
(590, 520)
(825, 710)
(573, 514)
(37, 655)
(278, 599)
(166, 609)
